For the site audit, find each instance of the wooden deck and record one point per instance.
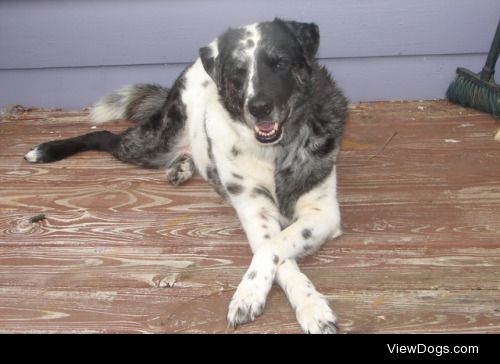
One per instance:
(119, 250)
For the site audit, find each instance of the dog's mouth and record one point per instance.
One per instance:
(268, 132)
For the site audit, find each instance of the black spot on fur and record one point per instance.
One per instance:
(252, 275)
(234, 188)
(276, 259)
(208, 61)
(263, 191)
(267, 236)
(214, 179)
(250, 43)
(263, 215)
(237, 176)
(205, 84)
(235, 151)
(306, 233)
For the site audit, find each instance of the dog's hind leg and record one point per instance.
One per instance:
(142, 145)
(59, 149)
(156, 142)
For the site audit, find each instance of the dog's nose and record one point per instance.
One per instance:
(260, 106)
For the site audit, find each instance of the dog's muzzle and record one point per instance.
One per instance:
(266, 130)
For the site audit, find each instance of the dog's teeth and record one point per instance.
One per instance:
(268, 133)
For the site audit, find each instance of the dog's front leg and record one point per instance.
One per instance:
(316, 219)
(260, 218)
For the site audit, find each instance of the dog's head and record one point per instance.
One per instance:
(260, 71)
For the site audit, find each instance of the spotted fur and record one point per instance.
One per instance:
(260, 120)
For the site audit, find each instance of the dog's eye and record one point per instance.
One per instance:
(237, 83)
(237, 78)
(239, 73)
(281, 64)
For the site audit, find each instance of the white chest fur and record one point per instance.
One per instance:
(213, 134)
(236, 151)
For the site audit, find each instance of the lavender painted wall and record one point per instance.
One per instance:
(66, 53)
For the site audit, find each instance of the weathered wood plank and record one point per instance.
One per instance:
(198, 265)
(119, 250)
(203, 310)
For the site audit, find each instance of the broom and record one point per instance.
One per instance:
(478, 90)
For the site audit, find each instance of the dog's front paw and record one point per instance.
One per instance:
(316, 317)
(247, 303)
(181, 170)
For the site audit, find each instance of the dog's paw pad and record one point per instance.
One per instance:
(316, 317)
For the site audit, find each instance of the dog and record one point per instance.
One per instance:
(261, 120)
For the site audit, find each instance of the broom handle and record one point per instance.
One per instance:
(489, 68)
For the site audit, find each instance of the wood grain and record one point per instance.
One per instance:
(120, 250)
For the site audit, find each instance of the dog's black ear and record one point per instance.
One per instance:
(307, 34)
(208, 59)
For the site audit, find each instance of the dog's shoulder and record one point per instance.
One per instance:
(309, 157)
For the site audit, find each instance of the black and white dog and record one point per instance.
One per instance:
(262, 121)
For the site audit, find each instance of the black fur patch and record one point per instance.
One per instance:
(306, 233)
(263, 191)
(252, 275)
(235, 151)
(325, 148)
(142, 100)
(234, 188)
(214, 179)
(307, 158)
(59, 149)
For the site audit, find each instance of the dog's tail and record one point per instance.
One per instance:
(134, 102)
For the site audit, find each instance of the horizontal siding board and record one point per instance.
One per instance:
(56, 33)
(72, 88)
(363, 79)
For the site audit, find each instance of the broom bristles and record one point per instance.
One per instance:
(468, 90)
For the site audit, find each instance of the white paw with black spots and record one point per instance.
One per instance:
(248, 301)
(316, 317)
